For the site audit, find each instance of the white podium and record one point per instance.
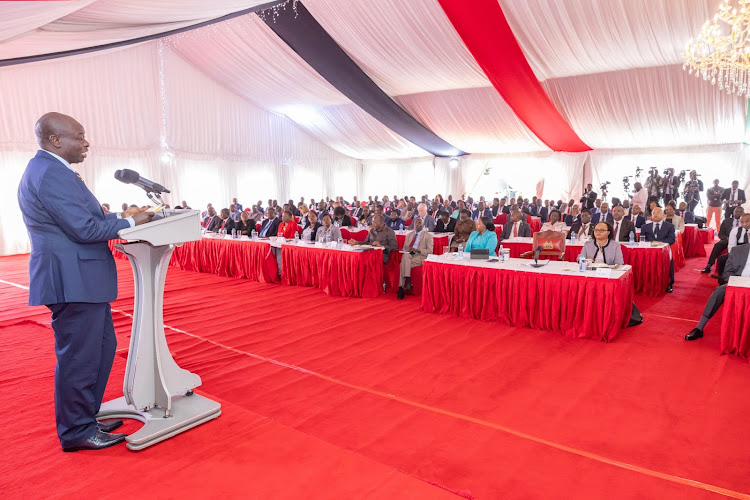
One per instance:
(156, 390)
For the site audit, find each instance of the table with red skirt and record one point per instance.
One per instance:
(227, 256)
(735, 323)
(339, 273)
(707, 234)
(393, 268)
(650, 264)
(602, 308)
(692, 242)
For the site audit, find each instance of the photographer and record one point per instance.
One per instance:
(670, 185)
(588, 198)
(693, 189)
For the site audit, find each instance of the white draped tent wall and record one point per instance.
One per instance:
(241, 114)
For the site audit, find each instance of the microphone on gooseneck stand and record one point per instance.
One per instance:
(536, 257)
(132, 177)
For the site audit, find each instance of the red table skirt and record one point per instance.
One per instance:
(337, 273)
(535, 223)
(678, 252)
(602, 306)
(692, 243)
(650, 269)
(247, 259)
(707, 235)
(735, 324)
(356, 234)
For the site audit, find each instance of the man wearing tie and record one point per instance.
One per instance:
(622, 227)
(685, 214)
(738, 236)
(583, 229)
(573, 217)
(662, 231)
(604, 215)
(733, 197)
(738, 264)
(419, 245)
(724, 231)
(72, 272)
(516, 227)
(270, 226)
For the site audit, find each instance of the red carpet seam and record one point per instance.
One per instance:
(467, 418)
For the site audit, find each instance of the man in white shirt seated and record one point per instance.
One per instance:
(737, 236)
(554, 224)
(738, 264)
(419, 245)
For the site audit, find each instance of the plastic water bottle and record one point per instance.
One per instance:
(581, 263)
(501, 254)
(234, 234)
(632, 238)
(340, 243)
(460, 251)
(253, 235)
(328, 238)
(401, 228)
(573, 237)
(296, 237)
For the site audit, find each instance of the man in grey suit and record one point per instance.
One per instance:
(427, 220)
(737, 265)
(419, 245)
(516, 227)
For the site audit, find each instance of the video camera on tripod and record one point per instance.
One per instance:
(626, 184)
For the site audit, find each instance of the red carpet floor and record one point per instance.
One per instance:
(349, 398)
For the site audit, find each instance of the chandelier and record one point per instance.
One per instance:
(721, 52)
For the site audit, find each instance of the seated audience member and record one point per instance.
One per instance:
(554, 223)
(516, 227)
(234, 214)
(328, 232)
(260, 208)
(626, 207)
(209, 218)
(311, 231)
(464, 227)
(105, 208)
(603, 249)
(288, 227)
(671, 217)
(621, 226)
(687, 216)
(270, 226)
(574, 216)
(356, 212)
(723, 244)
(481, 211)
(483, 237)
(662, 231)
(185, 205)
(223, 222)
(340, 217)
(445, 223)
(427, 220)
(738, 264)
(461, 205)
(604, 215)
(583, 229)
(496, 209)
(125, 207)
(738, 236)
(256, 215)
(204, 214)
(652, 204)
(303, 211)
(419, 245)
(366, 217)
(434, 208)
(293, 208)
(636, 216)
(395, 221)
(246, 225)
(380, 235)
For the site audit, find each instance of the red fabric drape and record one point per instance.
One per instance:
(337, 273)
(678, 252)
(356, 234)
(486, 33)
(692, 243)
(601, 308)
(251, 260)
(735, 323)
(117, 254)
(707, 235)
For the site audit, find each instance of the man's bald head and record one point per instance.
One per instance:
(62, 135)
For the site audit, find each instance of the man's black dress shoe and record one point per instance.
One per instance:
(98, 441)
(408, 286)
(669, 289)
(706, 270)
(109, 425)
(694, 334)
(400, 293)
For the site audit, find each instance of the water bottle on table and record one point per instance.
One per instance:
(582, 264)
(401, 228)
(340, 243)
(460, 251)
(573, 237)
(631, 241)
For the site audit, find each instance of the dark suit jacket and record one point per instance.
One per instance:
(666, 232)
(497, 209)
(70, 260)
(216, 225)
(576, 228)
(726, 228)
(736, 261)
(487, 213)
(346, 222)
(524, 230)
(243, 228)
(272, 230)
(597, 217)
(639, 221)
(588, 199)
(728, 212)
(689, 217)
(569, 220)
(442, 228)
(627, 226)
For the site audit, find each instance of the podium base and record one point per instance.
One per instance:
(187, 412)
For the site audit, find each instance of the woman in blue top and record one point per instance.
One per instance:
(484, 237)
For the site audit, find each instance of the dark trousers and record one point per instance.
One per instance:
(715, 301)
(721, 263)
(671, 272)
(667, 198)
(719, 247)
(85, 347)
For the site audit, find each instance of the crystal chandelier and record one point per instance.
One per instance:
(721, 52)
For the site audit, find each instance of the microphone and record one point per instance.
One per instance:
(536, 254)
(132, 177)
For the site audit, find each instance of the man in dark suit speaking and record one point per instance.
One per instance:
(73, 273)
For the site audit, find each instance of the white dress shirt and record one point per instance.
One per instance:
(62, 160)
(746, 270)
(733, 237)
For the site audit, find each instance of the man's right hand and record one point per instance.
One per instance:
(142, 217)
